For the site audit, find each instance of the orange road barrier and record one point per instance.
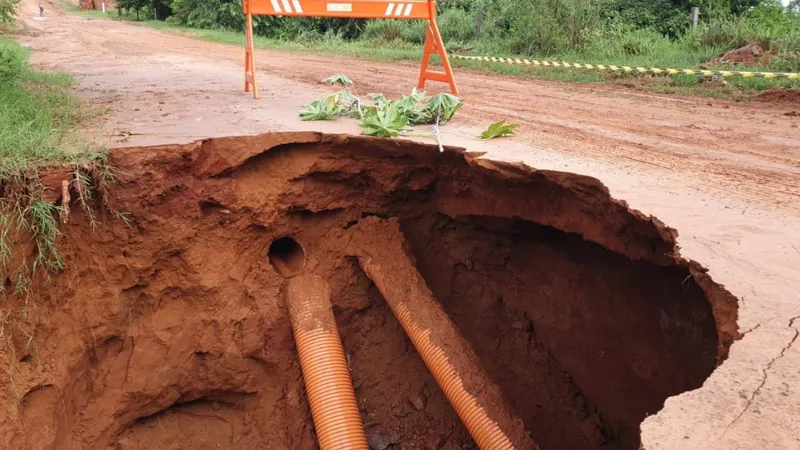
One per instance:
(475, 398)
(354, 9)
(334, 409)
(249, 64)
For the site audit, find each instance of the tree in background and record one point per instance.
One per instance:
(132, 5)
(7, 10)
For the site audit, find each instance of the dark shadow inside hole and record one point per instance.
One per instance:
(583, 343)
(286, 256)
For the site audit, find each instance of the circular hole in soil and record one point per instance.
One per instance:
(286, 256)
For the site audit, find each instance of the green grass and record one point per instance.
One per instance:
(41, 223)
(38, 114)
(654, 53)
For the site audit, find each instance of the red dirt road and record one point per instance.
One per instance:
(726, 175)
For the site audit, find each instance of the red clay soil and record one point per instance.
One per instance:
(172, 332)
(781, 96)
(748, 55)
(380, 247)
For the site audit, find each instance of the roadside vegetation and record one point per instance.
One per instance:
(654, 33)
(37, 114)
(7, 9)
(38, 117)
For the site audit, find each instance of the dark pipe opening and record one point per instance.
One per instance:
(286, 256)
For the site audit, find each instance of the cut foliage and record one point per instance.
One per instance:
(340, 79)
(327, 109)
(379, 116)
(442, 107)
(385, 122)
(499, 129)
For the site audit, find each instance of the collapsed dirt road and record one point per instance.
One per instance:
(727, 176)
(567, 317)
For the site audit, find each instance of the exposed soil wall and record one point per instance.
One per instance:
(172, 333)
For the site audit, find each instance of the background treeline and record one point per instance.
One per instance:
(602, 30)
(610, 31)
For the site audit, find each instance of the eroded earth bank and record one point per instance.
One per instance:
(169, 330)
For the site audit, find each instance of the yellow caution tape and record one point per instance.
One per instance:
(633, 69)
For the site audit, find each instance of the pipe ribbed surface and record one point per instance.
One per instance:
(329, 387)
(475, 398)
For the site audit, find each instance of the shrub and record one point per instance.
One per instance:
(196, 13)
(12, 61)
(385, 30)
(230, 16)
(7, 8)
(457, 25)
(723, 33)
(414, 31)
(538, 34)
(662, 15)
(641, 41)
(548, 27)
(781, 34)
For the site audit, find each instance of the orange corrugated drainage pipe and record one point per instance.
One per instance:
(378, 244)
(337, 419)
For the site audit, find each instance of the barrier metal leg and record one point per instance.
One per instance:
(249, 63)
(435, 46)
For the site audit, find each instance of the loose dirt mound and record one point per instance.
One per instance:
(171, 333)
(781, 96)
(747, 55)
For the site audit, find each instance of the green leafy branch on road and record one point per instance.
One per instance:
(328, 109)
(340, 79)
(379, 116)
(389, 121)
(499, 129)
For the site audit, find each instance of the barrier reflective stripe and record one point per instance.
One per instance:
(399, 9)
(354, 9)
(295, 6)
